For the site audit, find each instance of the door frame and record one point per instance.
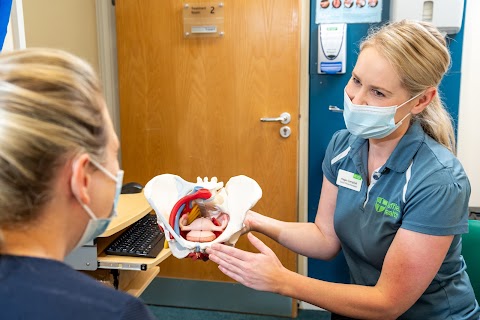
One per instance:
(15, 37)
(107, 58)
(109, 76)
(304, 122)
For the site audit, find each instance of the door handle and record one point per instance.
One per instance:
(284, 118)
(335, 109)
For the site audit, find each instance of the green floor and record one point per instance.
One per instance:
(168, 313)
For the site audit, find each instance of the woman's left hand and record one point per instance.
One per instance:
(260, 271)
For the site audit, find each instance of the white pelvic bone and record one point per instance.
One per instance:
(239, 195)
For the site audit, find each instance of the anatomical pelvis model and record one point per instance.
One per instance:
(196, 215)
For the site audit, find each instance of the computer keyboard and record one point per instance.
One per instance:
(142, 239)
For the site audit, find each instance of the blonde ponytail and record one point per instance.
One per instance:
(437, 123)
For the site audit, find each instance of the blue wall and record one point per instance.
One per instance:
(327, 90)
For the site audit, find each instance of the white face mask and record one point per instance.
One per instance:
(371, 122)
(96, 226)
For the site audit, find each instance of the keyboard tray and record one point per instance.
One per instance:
(142, 239)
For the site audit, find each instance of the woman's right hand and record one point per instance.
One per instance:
(249, 222)
(259, 271)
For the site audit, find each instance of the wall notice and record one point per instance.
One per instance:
(203, 19)
(348, 11)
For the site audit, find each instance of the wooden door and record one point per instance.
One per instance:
(192, 107)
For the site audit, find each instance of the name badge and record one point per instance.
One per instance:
(349, 180)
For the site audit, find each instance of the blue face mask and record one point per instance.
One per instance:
(96, 226)
(371, 122)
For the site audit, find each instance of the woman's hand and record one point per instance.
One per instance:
(248, 222)
(259, 271)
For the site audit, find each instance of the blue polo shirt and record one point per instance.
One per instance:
(423, 188)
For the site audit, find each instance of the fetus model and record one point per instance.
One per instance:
(196, 215)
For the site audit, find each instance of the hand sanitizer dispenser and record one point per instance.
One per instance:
(446, 15)
(332, 48)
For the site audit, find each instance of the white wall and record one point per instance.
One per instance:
(63, 24)
(469, 111)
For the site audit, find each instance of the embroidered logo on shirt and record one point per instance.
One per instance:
(386, 207)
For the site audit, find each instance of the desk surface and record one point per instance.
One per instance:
(131, 207)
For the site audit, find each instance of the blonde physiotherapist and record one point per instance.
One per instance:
(394, 196)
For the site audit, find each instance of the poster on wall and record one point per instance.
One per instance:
(348, 11)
